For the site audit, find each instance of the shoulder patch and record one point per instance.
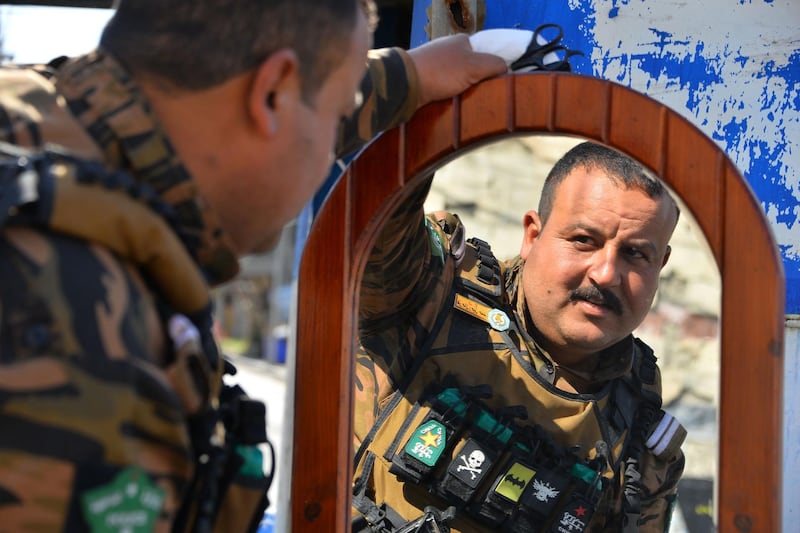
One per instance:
(130, 502)
(437, 248)
(496, 318)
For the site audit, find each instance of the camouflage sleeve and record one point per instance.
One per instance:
(404, 285)
(92, 433)
(389, 94)
(397, 264)
(660, 476)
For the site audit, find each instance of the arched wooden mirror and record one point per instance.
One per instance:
(734, 226)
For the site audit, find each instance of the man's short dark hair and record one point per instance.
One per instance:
(618, 166)
(197, 44)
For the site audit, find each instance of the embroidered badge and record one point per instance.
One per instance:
(498, 320)
(129, 503)
(470, 464)
(545, 491)
(471, 307)
(575, 517)
(436, 244)
(427, 443)
(514, 481)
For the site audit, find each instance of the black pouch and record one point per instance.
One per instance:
(433, 439)
(421, 453)
(485, 439)
(501, 501)
(543, 494)
(574, 517)
(469, 468)
(588, 487)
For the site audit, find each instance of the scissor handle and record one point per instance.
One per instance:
(535, 53)
(534, 44)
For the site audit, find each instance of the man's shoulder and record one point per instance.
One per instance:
(34, 113)
(645, 365)
(65, 295)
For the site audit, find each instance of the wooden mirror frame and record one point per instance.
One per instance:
(752, 307)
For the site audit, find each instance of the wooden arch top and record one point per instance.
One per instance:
(751, 374)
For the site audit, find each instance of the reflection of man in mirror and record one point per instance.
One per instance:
(532, 363)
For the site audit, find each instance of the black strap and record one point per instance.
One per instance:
(488, 273)
(644, 372)
(373, 518)
(22, 178)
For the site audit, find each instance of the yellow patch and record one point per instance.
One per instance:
(471, 307)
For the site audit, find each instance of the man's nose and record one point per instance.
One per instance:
(605, 270)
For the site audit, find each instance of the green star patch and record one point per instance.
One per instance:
(128, 504)
(427, 443)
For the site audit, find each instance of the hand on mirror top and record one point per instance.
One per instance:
(448, 66)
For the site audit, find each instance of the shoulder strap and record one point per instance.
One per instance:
(648, 410)
(49, 189)
(480, 273)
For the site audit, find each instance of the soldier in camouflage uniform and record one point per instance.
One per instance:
(512, 396)
(132, 179)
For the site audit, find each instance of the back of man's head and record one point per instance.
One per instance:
(197, 44)
(627, 172)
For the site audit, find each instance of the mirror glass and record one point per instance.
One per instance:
(491, 187)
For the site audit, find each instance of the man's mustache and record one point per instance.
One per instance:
(597, 296)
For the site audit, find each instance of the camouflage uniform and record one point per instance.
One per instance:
(415, 321)
(95, 396)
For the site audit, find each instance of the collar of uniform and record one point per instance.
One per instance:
(610, 363)
(606, 365)
(104, 98)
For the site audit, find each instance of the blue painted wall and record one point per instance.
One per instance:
(732, 67)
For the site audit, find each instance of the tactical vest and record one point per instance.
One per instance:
(51, 191)
(476, 438)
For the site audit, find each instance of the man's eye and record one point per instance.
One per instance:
(582, 239)
(636, 253)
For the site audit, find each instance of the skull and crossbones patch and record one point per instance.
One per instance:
(471, 463)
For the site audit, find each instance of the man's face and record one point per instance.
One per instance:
(591, 272)
(306, 154)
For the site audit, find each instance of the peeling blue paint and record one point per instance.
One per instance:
(772, 183)
(742, 94)
(683, 69)
(790, 73)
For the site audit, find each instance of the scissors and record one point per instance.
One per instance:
(545, 54)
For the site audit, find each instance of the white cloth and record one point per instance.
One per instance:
(510, 44)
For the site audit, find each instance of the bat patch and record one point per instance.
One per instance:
(513, 481)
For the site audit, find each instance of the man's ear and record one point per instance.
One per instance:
(275, 84)
(666, 256)
(532, 227)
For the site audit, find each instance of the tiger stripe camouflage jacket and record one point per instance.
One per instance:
(93, 400)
